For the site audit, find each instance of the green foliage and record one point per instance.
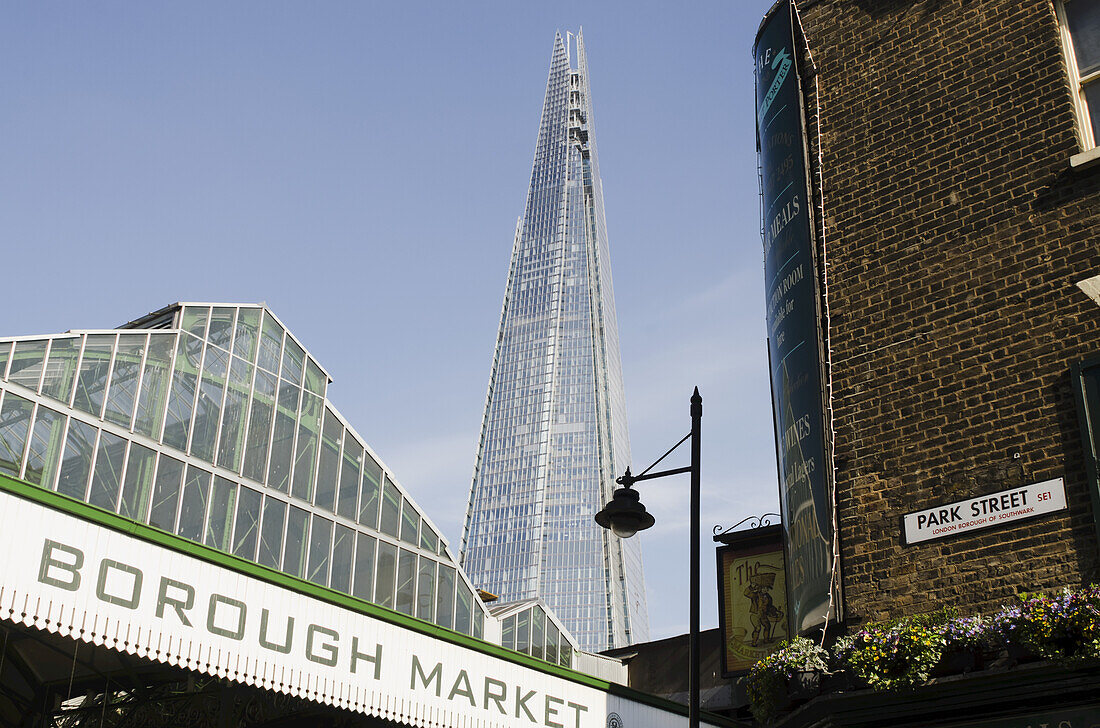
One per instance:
(1066, 626)
(766, 682)
(902, 653)
(893, 655)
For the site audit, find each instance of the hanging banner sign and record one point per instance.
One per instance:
(988, 510)
(794, 323)
(85, 581)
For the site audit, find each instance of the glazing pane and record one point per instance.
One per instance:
(343, 548)
(124, 379)
(428, 539)
(523, 631)
(137, 489)
(154, 385)
(76, 463)
(406, 582)
(219, 524)
(26, 363)
(5, 357)
(364, 567)
(247, 524)
(565, 654)
(390, 522)
(320, 547)
(1084, 26)
(259, 427)
(328, 467)
(181, 398)
(271, 533)
(315, 378)
(248, 330)
(234, 414)
(463, 606)
(425, 589)
(61, 368)
(196, 494)
(538, 632)
(220, 332)
(410, 522)
(552, 636)
(91, 380)
(293, 356)
(479, 622)
(44, 453)
(194, 320)
(445, 597)
(372, 487)
(15, 423)
(208, 406)
(386, 574)
(166, 494)
(309, 426)
(349, 478)
(508, 633)
(294, 551)
(282, 443)
(271, 345)
(1092, 98)
(107, 474)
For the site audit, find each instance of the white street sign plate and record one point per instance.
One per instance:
(994, 509)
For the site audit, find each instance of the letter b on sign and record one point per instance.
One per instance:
(64, 574)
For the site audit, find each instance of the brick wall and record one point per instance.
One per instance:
(954, 232)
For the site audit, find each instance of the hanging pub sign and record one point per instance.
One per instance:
(794, 323)
(752, 593)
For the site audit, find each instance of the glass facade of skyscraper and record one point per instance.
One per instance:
(554, 434)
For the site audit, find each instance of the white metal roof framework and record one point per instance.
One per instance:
(211, 421)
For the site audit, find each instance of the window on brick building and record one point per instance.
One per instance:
(1081, 34)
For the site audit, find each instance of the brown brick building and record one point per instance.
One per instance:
(956, 215)
(947, 267)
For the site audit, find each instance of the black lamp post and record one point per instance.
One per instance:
(625, 515)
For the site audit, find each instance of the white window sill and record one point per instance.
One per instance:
(1085, 160)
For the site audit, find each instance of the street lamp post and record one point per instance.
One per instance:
(625, 516)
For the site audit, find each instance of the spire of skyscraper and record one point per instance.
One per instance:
(554, 433)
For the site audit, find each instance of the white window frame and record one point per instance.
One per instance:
(1076, 81)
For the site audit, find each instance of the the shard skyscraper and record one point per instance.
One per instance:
(554, 434)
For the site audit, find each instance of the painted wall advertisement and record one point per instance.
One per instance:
(793, 323)
(753, 602)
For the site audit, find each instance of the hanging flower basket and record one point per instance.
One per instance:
(1066, 626)
(786, 678)
(966, 643)
(908, 652)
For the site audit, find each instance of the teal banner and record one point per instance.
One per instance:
(794, 323)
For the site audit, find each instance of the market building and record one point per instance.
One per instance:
(193, 533)
(930, 209)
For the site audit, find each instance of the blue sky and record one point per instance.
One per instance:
(360, 168)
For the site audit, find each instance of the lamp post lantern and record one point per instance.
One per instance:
(625, 515)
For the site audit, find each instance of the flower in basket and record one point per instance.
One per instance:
(1053, 627)
(768, 679)
(967, 633)
(893, 655)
